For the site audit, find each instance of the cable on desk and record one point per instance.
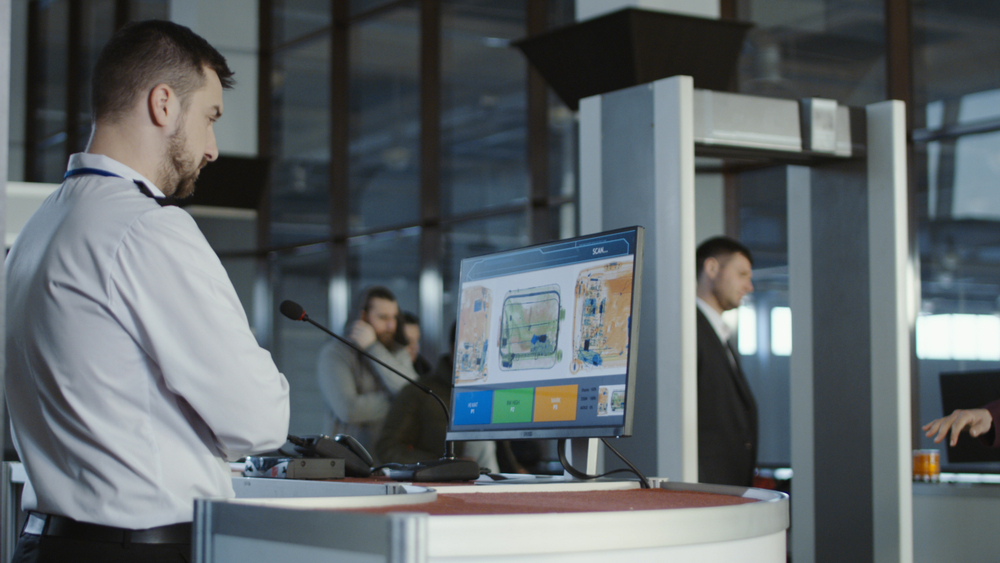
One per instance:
(643, 482)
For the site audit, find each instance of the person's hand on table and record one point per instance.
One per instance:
(977, 421)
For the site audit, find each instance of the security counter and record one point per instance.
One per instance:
(541, 522)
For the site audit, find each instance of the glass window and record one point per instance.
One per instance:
(483, 106)
(781, 331)
(746, 338)
(562, 149)
(958, 337)
(140, 10)
(300, 194)
(484, 163)
(297, 18)
(49, 79)
(977, 168)
(304, 278)
(389, 259)
(814, 48)
(97, 28)
(475, 238)
(385, 120)
(956, 54)
(956, 116)
(360, 7)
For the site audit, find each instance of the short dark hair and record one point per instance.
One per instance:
(408, 318)
(718, 247)
(144, 54)
(376, 292)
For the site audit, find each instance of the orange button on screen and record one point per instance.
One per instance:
(555, 403)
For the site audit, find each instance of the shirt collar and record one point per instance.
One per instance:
(715, 319)
(101, 162)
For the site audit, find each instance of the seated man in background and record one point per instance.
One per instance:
(411, 330)
(416, 426)
(356, 390)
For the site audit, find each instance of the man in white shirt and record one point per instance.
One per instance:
(132, 374)
(727, 412)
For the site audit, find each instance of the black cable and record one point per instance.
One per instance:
(561, 446)
(577, 474)
(642, 478)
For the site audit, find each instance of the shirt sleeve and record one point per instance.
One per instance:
(990, 438)
(171, 290)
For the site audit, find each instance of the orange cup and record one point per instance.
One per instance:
(926, 465)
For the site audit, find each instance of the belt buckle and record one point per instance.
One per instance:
(34, 525)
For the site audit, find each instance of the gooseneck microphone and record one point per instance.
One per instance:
(294, 311)
(445, 469)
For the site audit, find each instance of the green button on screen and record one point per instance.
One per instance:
(513, 405)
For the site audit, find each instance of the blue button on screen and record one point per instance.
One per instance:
(473, 407)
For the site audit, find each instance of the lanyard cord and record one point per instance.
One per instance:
(163, 201)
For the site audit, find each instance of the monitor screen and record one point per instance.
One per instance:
(970, 390)
(545, 341)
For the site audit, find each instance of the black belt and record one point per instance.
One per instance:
(62, 527)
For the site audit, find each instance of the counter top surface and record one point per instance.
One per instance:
(565, 502)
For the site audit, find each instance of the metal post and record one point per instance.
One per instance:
(5, 16)
(637, 168)
(850, 387)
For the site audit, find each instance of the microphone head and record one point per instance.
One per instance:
(292, 310)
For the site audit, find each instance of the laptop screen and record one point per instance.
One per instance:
(970, 390)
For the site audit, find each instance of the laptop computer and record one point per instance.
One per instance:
(969, 390)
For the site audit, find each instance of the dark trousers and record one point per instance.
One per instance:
(50, 549)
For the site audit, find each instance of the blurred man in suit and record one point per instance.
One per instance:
(727, 412)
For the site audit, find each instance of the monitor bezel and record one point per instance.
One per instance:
(610, 431)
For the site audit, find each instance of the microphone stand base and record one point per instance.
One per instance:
(437, 471)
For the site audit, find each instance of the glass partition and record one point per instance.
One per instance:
(956, 120)
(300, 134)
(484, 106)
(816, 48)
(385, 120)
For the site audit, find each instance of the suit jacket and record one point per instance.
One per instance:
(727, 414)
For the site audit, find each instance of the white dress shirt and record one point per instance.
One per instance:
(132, 374)
(721, 328)
(715, 319)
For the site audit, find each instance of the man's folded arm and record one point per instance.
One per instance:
(187, 317)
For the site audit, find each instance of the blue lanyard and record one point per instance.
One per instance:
(163, 201)
(97, 171)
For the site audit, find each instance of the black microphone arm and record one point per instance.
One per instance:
(294, 311)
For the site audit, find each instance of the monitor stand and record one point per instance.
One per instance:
(582, 454)
(583, 450)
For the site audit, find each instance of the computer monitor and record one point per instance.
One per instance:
(970, 390)
(546, 340)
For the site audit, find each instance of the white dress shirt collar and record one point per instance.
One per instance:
(108, 164)
(715, 319)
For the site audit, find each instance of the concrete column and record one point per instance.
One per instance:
(637, 168)
(592, 220)
(5, 17)
(890, 313)
(850, 362)
(800, 298)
